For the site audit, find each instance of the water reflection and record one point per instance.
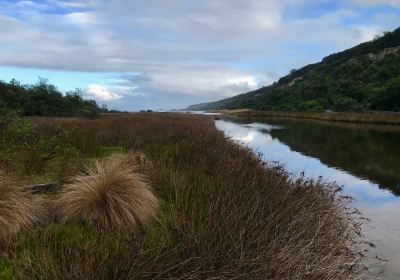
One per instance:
(371, 154)
(365, 160)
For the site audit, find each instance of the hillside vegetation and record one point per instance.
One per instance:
(363, 78)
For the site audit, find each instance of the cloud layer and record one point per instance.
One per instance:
(196, 50)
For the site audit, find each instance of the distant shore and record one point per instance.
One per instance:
(375, 118)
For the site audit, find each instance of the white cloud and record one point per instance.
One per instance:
(82, 18)
(210, 81)
(101, 93)
(368, 33)
(31, 5)
(198, 48)
(134, 36)
(378, 2)
(247, 80)
(68, 4)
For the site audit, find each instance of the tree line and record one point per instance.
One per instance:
(44, 99)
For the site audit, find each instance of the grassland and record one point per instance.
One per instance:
(349, 117)
(223, 213)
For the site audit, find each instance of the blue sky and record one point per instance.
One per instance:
(166, 54)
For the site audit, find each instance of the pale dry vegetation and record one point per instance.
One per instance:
(19, 210)
(112, 194)
(223, 213)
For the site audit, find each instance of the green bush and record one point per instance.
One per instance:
(21, 140)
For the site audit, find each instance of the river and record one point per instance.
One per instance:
(364, 159)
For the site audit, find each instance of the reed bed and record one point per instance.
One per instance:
(387, 118)
(224, 214)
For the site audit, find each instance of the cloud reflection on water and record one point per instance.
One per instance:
(380, 205)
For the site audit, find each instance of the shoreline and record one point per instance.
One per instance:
(347, 117)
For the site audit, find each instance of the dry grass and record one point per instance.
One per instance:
(112, 194)
(19, 210)
(224, 214)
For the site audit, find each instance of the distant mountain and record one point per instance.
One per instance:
(363, 78)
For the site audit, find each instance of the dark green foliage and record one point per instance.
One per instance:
(6, 271)
(22, 141)
(363, 78)
(43, 99)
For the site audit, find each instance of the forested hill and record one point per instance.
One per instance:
(44, 99)
(363, 78)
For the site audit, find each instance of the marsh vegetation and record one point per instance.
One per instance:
(167, 196)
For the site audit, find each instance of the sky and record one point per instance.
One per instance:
(168, 54)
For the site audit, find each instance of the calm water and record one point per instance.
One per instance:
(365, 159)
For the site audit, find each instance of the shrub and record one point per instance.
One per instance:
(110, 195)
(22, 140)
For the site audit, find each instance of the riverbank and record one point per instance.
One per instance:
(350, 117)
(363, 159)
(222, 212)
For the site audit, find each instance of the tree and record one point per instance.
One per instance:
(44, 99)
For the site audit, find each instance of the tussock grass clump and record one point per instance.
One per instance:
(19, 210)
(109, 195)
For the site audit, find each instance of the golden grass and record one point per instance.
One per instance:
(19, 210)
(110, 195)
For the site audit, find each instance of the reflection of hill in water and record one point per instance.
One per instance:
(365, 153)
